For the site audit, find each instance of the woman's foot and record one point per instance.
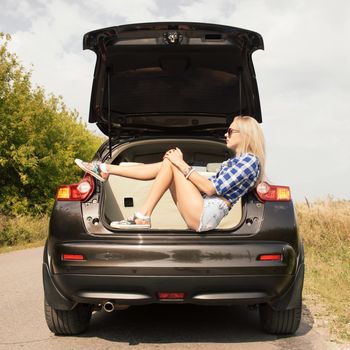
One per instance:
(137, 221)
(93, 168)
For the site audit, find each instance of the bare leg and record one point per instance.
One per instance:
(186, 196)
(139, 172)
(161, 184)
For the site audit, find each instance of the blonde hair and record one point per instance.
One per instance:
(252, 141)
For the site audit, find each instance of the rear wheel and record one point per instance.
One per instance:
(281, 321)
(68, 322)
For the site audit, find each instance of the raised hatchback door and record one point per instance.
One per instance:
(153, 78)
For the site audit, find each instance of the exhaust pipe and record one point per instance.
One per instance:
(108, 306)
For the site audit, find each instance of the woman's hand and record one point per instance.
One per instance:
(175, 156)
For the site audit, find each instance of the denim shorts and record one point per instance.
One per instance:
(214, 210)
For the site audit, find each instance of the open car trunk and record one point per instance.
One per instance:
(124, 196)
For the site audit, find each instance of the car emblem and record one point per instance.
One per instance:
(172, 37)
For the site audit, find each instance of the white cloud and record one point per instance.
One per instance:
(126, 11)
(19, 9)
(53, 44)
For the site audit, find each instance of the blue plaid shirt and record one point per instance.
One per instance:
(236, 176)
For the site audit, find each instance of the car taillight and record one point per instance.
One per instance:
(267, 192)
(72, 257)
(171, 295)
(270, 257)
(76, 192)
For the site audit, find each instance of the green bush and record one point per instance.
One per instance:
(39, 139)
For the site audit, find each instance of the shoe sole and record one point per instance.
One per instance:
(128, 227)
(80, 164)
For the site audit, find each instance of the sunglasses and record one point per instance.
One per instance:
(231, 131)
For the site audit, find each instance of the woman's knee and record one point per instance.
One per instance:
(168, 164)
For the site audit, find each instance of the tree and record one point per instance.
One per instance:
(39, 139)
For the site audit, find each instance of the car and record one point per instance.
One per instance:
(158, 86)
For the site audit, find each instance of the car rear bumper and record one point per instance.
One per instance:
(132, 275)
(133, 290)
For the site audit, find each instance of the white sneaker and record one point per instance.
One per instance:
(131, 224)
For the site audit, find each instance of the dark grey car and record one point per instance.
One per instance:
(157, 86)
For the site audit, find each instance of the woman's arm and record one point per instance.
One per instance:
(201, 182)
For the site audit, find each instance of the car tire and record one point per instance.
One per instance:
(68, 322)
(280, 321)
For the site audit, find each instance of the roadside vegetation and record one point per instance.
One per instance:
(22, 231)
(39, 139)
(325, 229)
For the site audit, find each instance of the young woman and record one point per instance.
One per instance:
(202, 202)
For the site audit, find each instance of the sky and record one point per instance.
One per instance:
(303, 74)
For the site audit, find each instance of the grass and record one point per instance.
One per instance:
(22, 231)
(8, 249)
(325, 229)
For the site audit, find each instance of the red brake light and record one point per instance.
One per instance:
(270, 257)
(76, 192)
(72, 257)
(171, 295)
(267, 192)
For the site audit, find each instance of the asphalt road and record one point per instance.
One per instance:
(23, 326)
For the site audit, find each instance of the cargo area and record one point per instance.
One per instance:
(123, 196)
